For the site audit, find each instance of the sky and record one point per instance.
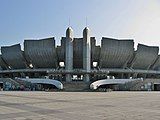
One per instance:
(121, 19)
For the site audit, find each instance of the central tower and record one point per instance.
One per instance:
(86, 54)
(69, 53)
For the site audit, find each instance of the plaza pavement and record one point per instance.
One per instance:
(79, 105)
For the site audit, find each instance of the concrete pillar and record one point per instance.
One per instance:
(69, 53)
(86, 53)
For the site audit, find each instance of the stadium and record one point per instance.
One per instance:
(78, 60)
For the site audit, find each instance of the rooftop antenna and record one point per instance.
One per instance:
(86, 22)
(69, 22)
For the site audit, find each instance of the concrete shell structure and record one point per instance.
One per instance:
(61, 50)
(156, 66)
(2, 63)
(78, 53)
(145, 56)
(115, 53)
(95, 50)
(58, 50)
(13, 56)
(95, 54)
(41, 53)
(114, 57)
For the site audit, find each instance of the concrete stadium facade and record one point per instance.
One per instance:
(83, 60)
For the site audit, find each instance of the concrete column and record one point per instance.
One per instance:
(86, 53)
(69, 53)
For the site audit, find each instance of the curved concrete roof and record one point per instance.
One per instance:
(56, 83)
(98, 83)
(2, 63)
(78, 53)
(156, 66)
(115, 53)
(41, 53)
(145, 56)
(13, 56)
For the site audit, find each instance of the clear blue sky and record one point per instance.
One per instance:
(27, 19)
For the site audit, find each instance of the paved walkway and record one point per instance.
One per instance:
(79, 106)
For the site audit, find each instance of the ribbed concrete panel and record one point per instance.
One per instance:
(58, 50)
(41, 53)
(145, 56)
(13, 56)
(78, 53)
(61, 50)
(156, 66)
(2, 63)
(95, 51)
(115, 53)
